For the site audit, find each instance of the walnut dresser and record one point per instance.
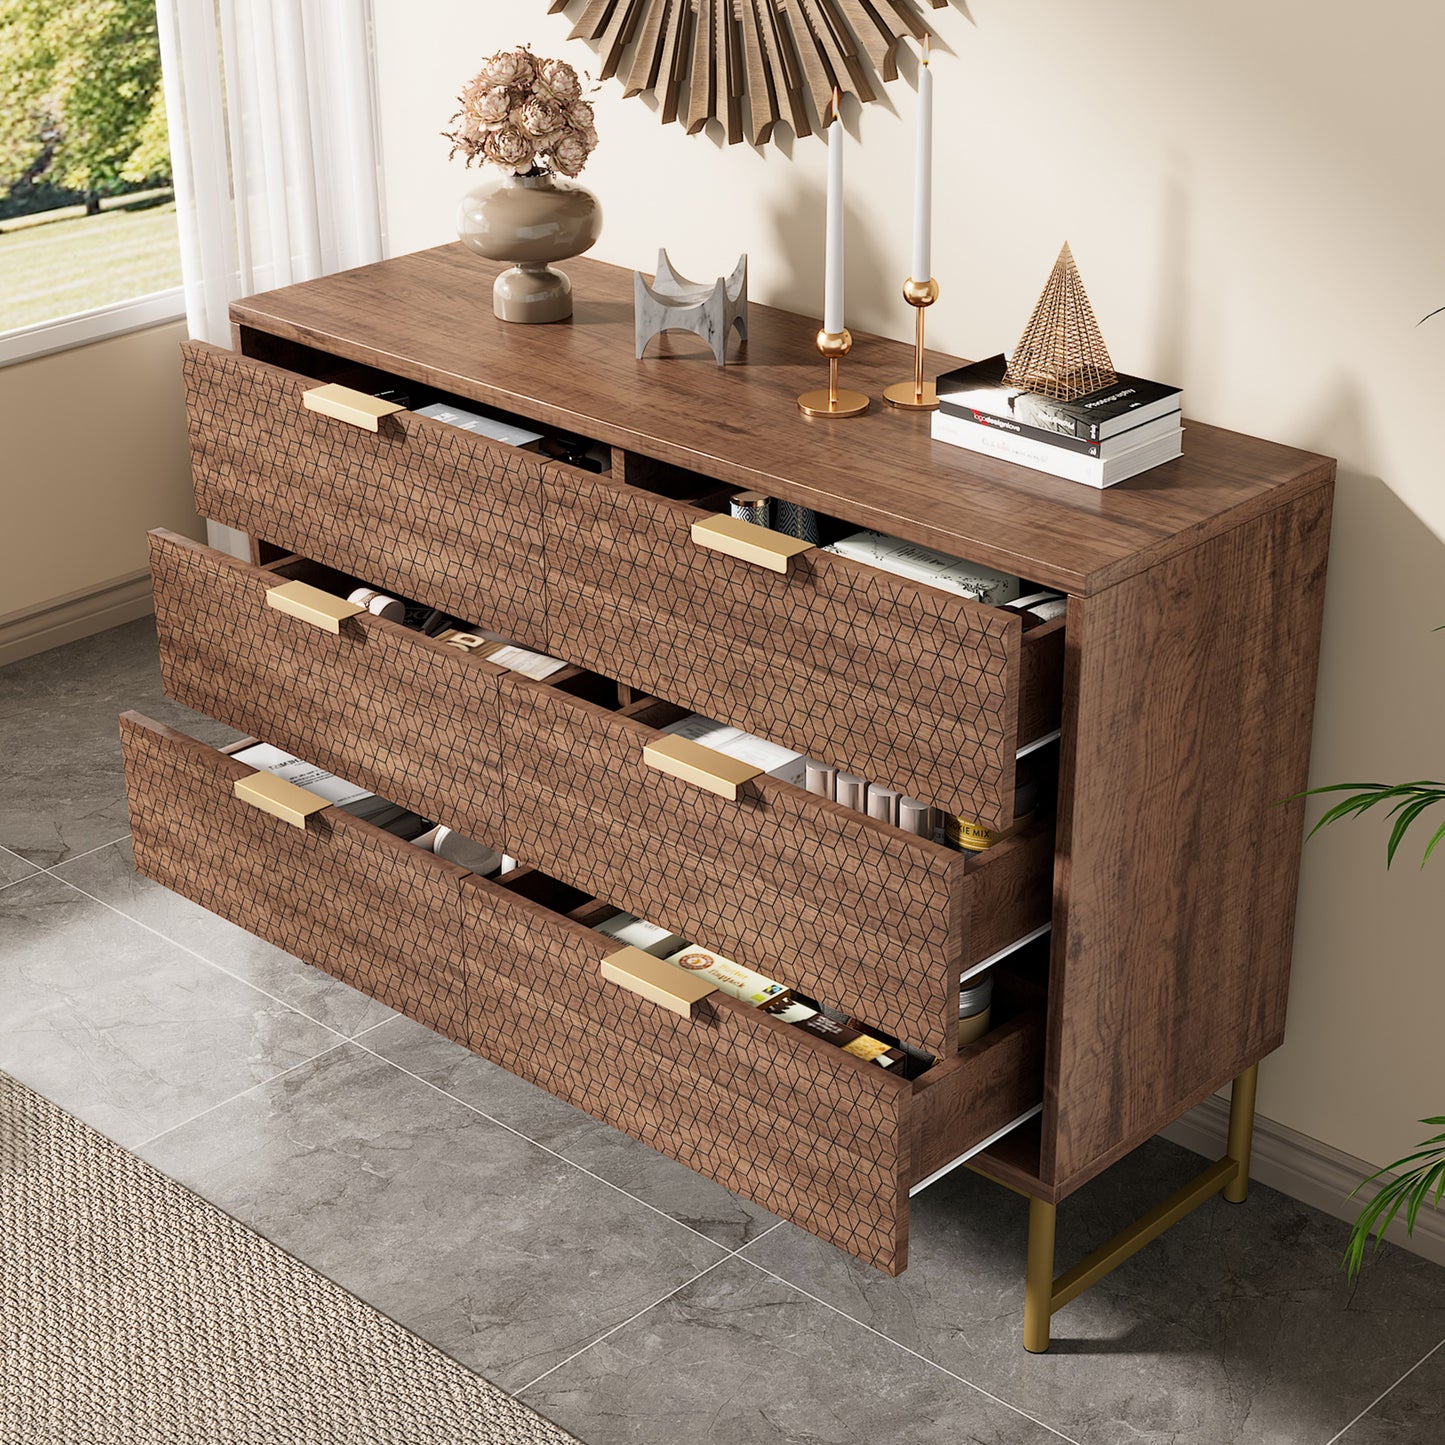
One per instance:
(1139, 928)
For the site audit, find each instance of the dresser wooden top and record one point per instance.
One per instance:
(428, 317)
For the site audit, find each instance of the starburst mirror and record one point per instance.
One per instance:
(749, 64)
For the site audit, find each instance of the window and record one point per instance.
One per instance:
(89, 244)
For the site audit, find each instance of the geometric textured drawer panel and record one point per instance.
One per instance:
(375, 703)
(850, 910)
(348, 898)
(828, 1141)
(418, 507)
(898, 682)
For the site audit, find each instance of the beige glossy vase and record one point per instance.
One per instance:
(530, 221)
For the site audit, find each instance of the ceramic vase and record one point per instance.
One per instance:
(531, 221)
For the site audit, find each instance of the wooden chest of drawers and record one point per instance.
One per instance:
(1140, 926)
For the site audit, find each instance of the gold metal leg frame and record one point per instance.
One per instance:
(1044, 1295)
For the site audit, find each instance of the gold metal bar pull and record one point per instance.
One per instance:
(311, 604)
(702, 767)
(657, 980)
(748, 542)
(279, 798)
(353, 407)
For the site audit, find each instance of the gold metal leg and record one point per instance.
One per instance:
(1044, 1295)
(1039, 1281)
(1241, 1132)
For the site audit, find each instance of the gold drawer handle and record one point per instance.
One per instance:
(311, 604)
(279, 798)
(748, 542)
(692, 763)
(353, 407)
(657, 980)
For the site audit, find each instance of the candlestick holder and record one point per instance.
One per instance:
(916, 395)
(835, 345)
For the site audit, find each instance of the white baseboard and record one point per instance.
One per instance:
(1314, 1173)
(76, 615)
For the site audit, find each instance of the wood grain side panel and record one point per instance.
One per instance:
(377, 704)
(900, 683)
(417, 507)
(348, 898)
(1009, 892)
(838, 905)
(1188, 708)
(1041, 681)
(800, 1128)
(977, 1092)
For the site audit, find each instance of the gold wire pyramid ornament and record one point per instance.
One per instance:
(1062, 353)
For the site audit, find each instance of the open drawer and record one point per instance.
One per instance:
(846, 908)
(347, 897)
(828, 1141)
(369, 700)
(419, 507)
(898, 682)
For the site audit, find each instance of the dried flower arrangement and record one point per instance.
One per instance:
(524, 115)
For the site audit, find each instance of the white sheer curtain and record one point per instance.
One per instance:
(273, 145)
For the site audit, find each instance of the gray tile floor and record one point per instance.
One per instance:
(617, 1292)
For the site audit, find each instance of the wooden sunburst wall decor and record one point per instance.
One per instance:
(704, 58)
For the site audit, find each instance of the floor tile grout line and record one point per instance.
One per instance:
(201, 957)
(16, 882)
(581, 1168)
(631, 1319)
(1383, 1395)
(76, 857)
(250, 1089)
(873, 1330)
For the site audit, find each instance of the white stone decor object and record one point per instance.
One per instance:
(671, 302)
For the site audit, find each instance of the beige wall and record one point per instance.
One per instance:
(1254, 195)
(92, 454)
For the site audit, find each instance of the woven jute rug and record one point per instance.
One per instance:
(131, 1311)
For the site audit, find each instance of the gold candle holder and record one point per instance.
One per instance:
(916, 395)
(835, 345)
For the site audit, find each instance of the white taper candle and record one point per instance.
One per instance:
(833, 254)
(923, 175)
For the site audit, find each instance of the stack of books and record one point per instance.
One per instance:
(1097, 439)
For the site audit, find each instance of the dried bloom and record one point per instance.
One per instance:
(510, 149)
(559, 80)
(539, 118)
(491, 108)
(569, 153)
(519, 112)
(506, 69)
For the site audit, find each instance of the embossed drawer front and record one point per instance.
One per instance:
(349, 898)
(374, 702)
(826, 1140)
(900, 683)
(838, 905)
(417, 506)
